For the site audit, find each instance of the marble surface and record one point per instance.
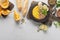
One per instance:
(9, 30)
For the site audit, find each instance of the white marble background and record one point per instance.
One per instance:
(9, 30)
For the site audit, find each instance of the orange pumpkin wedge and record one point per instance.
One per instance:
(16, 16)
(35, 12)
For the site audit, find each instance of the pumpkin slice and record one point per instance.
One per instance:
(4, 3)
(16, 16)
(35, 12)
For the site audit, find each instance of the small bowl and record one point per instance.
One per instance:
(33, 4)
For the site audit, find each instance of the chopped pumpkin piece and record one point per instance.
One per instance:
(0, 11)
(0, 14)
(4, 3)
(5, 12)
(16, 16)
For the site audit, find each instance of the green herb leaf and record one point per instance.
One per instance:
(44, 12)
(58, 3)
(57, 24)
